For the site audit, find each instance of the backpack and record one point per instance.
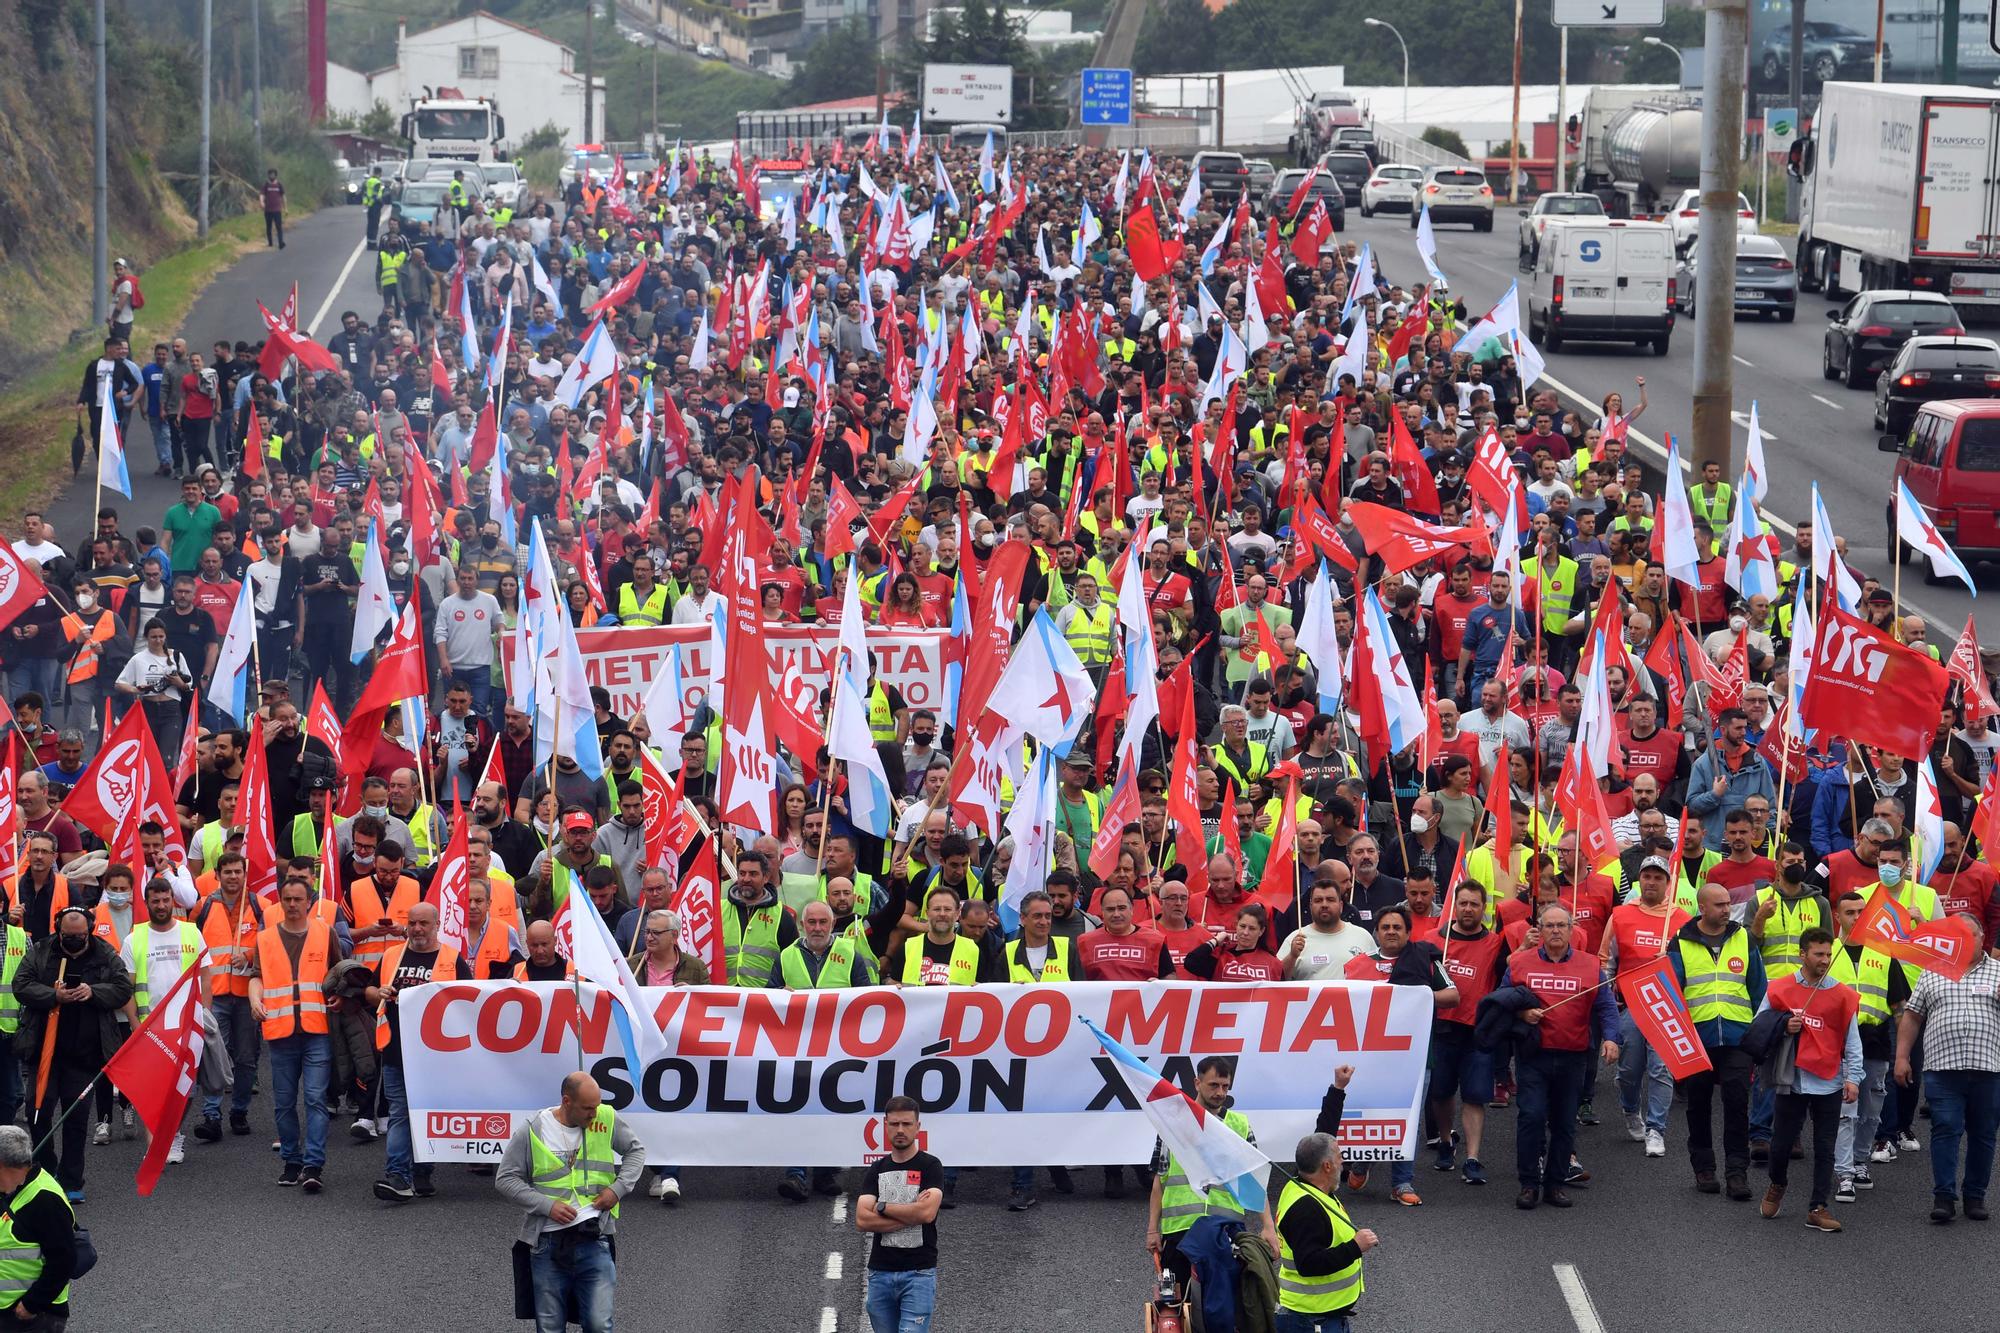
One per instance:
(138, 297)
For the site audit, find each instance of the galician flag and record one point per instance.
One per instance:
(111, 470)
(1212, 1154)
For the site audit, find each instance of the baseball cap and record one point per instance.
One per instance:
(1658, 863)
(577, 819)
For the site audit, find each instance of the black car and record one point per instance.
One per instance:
(1324, 188)
(1865, 334)
(1226, 176)
(1351, 170)
(1831, 51)
(1930, 368)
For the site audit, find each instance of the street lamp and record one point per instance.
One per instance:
(1680, 64)
(1680, 61)
(1378, 23)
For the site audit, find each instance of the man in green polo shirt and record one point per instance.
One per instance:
(189, 527)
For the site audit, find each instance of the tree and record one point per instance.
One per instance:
(840, 64)
(1178, 39)
(1438, 136)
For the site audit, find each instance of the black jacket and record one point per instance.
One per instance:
(35, 985)
(1499, 1021)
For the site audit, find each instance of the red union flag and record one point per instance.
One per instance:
(451, 887)
(126, 786)
(1949, 947)
(1656, 1004)
(698, 902)
(1403, 541)
(156, 1067)
(1965, 667)
(1870, 689)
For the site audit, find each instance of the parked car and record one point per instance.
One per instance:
(1685, 218)
(503, 183)
(1556, 205)
(1324, 188)
(421, 201)
(709, 51)
(1455, 194)
(1262, 173)
(1864, 335)
(1391, 185)
(1831, 51)
(1951, 463)
(1351, 169)
(350, 183)
(1766, 283)
(1224, 175)
(1930, 368)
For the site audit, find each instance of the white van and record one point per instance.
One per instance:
(1603, 280)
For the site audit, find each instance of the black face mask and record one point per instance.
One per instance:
(74, 945)
(489, 541)
(922, 737)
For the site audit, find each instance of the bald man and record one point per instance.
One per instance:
(571, 1266)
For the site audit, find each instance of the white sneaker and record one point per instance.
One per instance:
(1844, 1191)
(102, 1134)
(1883, 1153)
(363, 1129)
(670, 1191)
(1656, 1143)
(178, 1153)
(659, 1184)
(130, 1125)
(1635, 1127)
(1907, 1142)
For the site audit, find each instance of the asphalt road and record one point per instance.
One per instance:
(1815, 429)
(734, 1256)
(324, 254)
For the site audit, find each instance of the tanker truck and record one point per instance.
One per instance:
(1641, 148)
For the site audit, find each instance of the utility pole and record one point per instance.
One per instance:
(100, 184)
(1797, 91)
(257, 80)
(657, 39)
(1727, 41)
(1562, 108)
(1514, 140)
(589, 72)
(1948, 43)
(207, 79)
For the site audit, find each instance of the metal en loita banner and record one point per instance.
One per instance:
(623, 659)
(1005, 1075)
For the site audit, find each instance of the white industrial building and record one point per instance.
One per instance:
(531, 78)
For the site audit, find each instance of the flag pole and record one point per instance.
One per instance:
(64, 1114)
(1896, 581)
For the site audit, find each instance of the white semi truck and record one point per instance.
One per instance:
(1901, 190)
(452, 126)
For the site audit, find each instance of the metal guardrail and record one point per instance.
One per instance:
(1397, 146)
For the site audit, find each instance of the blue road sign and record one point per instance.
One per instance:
(1106, 97)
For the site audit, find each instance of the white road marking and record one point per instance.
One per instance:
(333, 295)
(835, 1265)
(1740, 361)
(1743, 419)
(839, 1209)
(829, 1319)
(1826, 402)
(1582, 1310)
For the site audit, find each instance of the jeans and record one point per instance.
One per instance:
(1964, 1103)
(43, 675)
(274, 227)
(583, 1272)
(307, 1058)
(327, 659)
(397, 1140)
(1791, 1111)
(901, 1302)
(1860, 1119)
(1550, 1088)
(1731, 1076)
(163, 443)
(194, 441)
(1899, 1109)
(1291, 1321)
(1640, 1064)
(241, 1035)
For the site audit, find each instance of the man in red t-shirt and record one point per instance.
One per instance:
(1474, 958)
(1964, 884)
(1577, 1021)
(214, 591)
(1649, 747)
(1119, 950)
(786, 575)
(1181, 935)
(1743, 870)
(1638, 933)
(1450, 606)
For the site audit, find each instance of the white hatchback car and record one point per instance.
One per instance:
(1391, 185)
(1685, 218)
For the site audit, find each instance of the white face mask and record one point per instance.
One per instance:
(117, 899)
(1739, 623)
(1418, 824)
(84, 601)
(379, 811)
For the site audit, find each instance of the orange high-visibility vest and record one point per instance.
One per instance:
(90, 650)
(492, 948)
(230, 939)
(521, 971)
(293, 1004)
(103, 928)
(445, 970)
(366, 902)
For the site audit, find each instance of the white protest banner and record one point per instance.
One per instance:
(623, 659)
(1005, 1074)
